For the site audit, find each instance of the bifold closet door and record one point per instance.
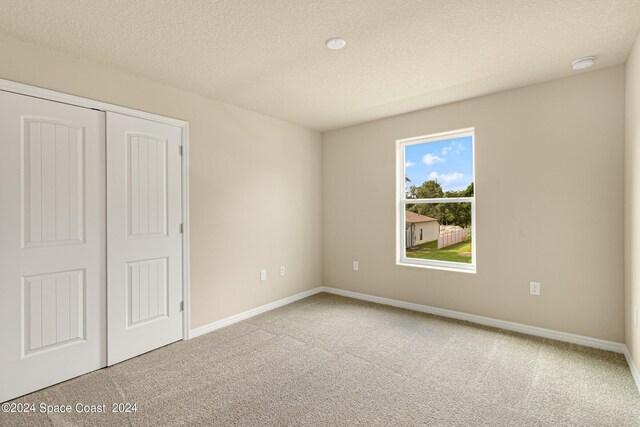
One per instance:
(52, 243)
(144, 241)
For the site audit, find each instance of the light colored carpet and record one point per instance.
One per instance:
(329, 360)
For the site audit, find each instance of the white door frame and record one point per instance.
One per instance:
(51, 95)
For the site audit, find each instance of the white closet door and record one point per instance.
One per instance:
(52, 243)
(144, 249)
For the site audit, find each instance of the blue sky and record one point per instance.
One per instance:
(449, 161)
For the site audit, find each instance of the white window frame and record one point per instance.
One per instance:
(402, 202)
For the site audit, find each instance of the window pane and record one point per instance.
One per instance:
(438, 231)
(439, 169)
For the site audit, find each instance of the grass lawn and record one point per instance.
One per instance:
(451, 253)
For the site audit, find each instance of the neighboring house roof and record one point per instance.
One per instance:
(414, 218)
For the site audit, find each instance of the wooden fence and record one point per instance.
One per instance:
(448, 238)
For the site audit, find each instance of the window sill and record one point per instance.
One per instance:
(438, 266)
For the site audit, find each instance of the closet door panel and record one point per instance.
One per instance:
(52, 243)
(144, 182)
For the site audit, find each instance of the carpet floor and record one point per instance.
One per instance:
(329, 360)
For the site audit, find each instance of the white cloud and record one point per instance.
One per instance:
(430, 159)
(446, 178)
(408, 164)
(454, 147)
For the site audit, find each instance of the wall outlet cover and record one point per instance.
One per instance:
(534, 288)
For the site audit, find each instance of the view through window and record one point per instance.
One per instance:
(437, 201)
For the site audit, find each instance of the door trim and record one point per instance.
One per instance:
(186, 256)
(65, 98)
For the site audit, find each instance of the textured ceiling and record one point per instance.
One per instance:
(270, 57)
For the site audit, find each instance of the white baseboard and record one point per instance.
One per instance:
(488, 321)
(632, 367)
(502, 324)
(250, 313)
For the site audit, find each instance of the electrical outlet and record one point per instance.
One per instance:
(282, 270)
(635, 316)
(356, 266)
(263, 275)
(534, 288)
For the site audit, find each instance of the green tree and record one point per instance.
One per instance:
(458, 213)
(445, 213)
(467, 192)
(428, 190)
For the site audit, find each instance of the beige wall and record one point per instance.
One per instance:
(632, 201)
(549, 165)
(255, 182)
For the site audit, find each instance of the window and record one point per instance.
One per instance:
(436, 201)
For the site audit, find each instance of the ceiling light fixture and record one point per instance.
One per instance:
(582, 63)
(336, 43)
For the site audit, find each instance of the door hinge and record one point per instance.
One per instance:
(181, 228)
(180, 149)
(181, 305)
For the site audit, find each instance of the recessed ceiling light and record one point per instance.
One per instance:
(336, 43)
(582, 63)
